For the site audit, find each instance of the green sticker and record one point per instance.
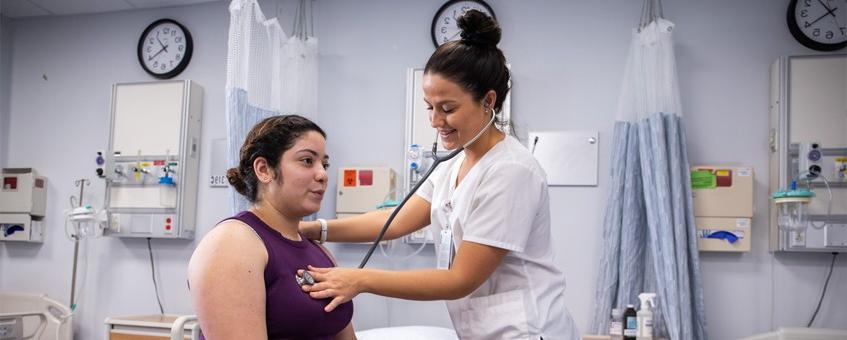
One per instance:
(703, 180)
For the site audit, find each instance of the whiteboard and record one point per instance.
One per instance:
(147, 118)
(568, 157)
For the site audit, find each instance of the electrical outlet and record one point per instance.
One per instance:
(835, 235)
(797, 239)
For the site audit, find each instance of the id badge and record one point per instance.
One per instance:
(445, 249)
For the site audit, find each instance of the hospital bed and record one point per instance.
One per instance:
(800, 333)
(408, 333)
(31, 316)
(388, 333)
(152, 327)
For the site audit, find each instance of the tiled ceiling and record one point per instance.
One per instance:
(31, 8)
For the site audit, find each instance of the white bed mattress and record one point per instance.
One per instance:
(408, 333)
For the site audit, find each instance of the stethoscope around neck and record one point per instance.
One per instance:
(436, 160)
(306, 279)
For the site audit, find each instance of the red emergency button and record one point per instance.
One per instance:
(168, 220)
(168, 227)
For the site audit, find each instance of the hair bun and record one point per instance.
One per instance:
(479, 29)
(234, 178)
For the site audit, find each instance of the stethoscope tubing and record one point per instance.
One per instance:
(436, 160)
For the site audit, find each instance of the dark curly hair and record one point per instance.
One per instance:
(474, 62)
(270, 138)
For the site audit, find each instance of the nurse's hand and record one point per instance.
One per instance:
(340, 284)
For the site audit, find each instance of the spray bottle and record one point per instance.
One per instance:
(645, 316)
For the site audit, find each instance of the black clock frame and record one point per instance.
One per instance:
(189, 49)
(794, 27)
(444, 7)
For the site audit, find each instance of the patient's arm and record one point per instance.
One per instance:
(226, 276)
(365, 227)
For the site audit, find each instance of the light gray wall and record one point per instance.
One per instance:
(57, 125)
(4, 95)
(567, 60)
(5, 68)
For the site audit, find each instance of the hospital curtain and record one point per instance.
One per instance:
(269, 73)
(649, 239)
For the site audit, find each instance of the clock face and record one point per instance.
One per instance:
(819, 24)
(164, 49)
(444, 26)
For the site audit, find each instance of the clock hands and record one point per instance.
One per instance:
(157, 53)
(164, 47)
(829, 11)
(825, 6)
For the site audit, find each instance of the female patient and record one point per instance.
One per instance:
(243, 273)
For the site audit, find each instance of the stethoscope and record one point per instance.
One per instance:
(308, 279)
(436, 160)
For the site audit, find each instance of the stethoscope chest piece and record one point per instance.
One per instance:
(305, 279)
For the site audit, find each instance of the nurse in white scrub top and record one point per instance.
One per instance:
(488, 209)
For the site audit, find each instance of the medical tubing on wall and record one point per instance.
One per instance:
(405, 199)
(390, 254)
(828, 208)
(404, 258)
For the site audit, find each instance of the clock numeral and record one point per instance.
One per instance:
(178, 56)
(444, 29)
(843, 30)
(806, 24)
(808, 3)
(163, 67)
(816, 32)
(152, 41)
(829, 34)
(155, 64)
(166, 30)
(455, 15)
(181, 47)
(446, 20)
(444, 39)
(149, 49)
(804, 13)
(173, 33)
(172, 63)
(178, 40)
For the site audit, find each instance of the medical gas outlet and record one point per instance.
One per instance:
(151, 165)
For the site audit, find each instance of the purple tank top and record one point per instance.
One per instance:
(290, 312)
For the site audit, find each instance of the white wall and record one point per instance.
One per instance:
(567, 60)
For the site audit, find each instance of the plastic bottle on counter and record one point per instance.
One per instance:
(616, 326)
(630, 323)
